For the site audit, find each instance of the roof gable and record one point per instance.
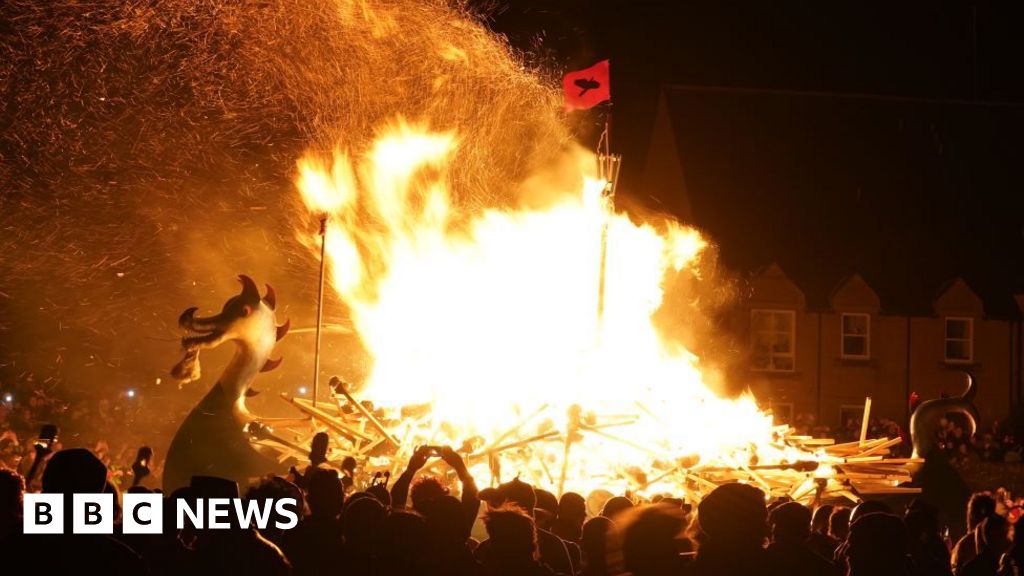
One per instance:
(956, 297)
(771, 286)
(854, 293)
(663, 173)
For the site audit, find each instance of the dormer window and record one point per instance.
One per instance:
(959, 340)
(856, 336)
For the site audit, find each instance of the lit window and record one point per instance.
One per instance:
(773, 339)
(959, 340)
(856, 336)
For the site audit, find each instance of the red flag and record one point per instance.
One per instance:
(588, 87)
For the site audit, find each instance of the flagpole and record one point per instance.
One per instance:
(320, 306)
(609, 173)
(608, 138)
(602, 262)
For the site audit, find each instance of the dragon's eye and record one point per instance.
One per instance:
(246, 310)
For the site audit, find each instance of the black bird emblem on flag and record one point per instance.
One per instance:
(583, 89)
(587, 84)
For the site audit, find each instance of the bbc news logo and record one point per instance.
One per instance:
(143, 513)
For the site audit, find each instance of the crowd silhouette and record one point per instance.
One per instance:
(433, 521)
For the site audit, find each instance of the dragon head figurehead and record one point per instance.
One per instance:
(246, 319)
(214, 440)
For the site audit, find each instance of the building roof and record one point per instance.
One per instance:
(908, 193)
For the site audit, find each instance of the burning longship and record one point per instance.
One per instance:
(489, 327)
(525, 338)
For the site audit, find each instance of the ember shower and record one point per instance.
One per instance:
(149, 147)
(150, 153)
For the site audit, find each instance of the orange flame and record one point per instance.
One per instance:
(490, 317)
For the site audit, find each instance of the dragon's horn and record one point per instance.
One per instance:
(250, 291)
(185, 320)
(271, 364)
(271, 298)
(283, 329)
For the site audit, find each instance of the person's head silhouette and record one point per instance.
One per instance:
(546, 510)
(513, 536)
(839, 523)
(75, 470)
(790, 523)
(877, 545)
(12, 492)
(615, 506)
(571, 513)
(360, 519)
(819, 522)
(514, 492)
(204, 488)
(424, 489)
(869, 507)
(594, 543)
(326, 496)
(446, 519)
(402, 544)
(651, 538)
(980, 506)
(213, 487)
(380, 492)
(572, 506)
(923, 524)
(269, 491)
(733, 515)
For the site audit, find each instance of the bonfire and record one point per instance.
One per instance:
(524, 337)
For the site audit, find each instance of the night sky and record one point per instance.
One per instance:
(931, 54)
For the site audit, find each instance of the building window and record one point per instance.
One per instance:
(856, 336)
(959, 340)
(773, 339)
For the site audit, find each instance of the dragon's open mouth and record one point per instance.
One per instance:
(203, 332)
(201, 339)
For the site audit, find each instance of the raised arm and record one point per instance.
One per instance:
(400, 489)
(470, 493)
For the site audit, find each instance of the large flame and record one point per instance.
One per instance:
(495, 316)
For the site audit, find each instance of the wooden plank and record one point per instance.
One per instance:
(326, 419)
(877, 449)
(339, 386)
(819, 442)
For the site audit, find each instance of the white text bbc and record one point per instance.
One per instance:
(143, 513)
